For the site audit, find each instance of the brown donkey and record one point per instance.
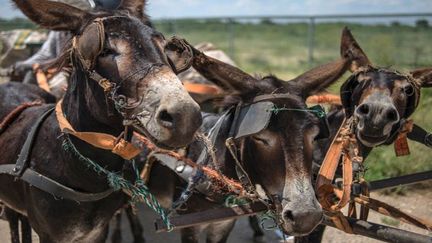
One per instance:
(381, 100)
(120, 77)
(276, 157)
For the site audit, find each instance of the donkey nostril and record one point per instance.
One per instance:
(392, 115)
(364, 109)
(288, 215)
(166, 119)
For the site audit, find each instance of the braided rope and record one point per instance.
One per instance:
(138, 191)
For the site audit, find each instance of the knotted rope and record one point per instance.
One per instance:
(138, 191)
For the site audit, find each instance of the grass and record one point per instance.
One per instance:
(282, 49)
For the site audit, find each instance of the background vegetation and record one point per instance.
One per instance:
(282, 49)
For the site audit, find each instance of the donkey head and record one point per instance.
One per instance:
(379, 98)
(132, 69)
(277, 154)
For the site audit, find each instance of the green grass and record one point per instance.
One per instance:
(282, 49)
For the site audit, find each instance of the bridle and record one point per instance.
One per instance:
(273, 202)
(113, 99)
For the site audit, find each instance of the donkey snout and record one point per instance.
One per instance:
(301, 220)
(180, 120)
(376, 118)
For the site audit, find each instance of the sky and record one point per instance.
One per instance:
(219, 8)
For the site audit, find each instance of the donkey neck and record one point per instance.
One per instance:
(86, 108)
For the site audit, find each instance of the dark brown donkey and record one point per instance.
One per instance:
(145, 94)
(277, 157)
(380, 99)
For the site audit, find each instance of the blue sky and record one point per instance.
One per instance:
(206, 8)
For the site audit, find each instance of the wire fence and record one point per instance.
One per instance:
(288, 45)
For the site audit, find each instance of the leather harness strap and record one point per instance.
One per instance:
(22, 171)
(343, 145)
(385, 209)
(116, 145)
(51, 186)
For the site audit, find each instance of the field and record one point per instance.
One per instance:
(282, 50)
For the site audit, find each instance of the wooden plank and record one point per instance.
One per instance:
(210, 216)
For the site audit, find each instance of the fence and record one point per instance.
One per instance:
(291, 44)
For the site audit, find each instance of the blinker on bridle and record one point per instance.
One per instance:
(252, 118)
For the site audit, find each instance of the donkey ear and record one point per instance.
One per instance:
(134, 7)
(321, 77)
(53, 15)
(350, 49)
(179, 54)
(424, 75)
(222, 74)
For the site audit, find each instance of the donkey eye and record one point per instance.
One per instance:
(107, 52)
(260, 140)
(409, 90)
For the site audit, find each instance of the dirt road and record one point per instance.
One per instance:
(418, 203)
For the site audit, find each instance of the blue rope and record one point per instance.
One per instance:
(188, 191)
(139, 191)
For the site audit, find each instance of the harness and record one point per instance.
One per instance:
(117, 145)
(22, 171)
(243, 120)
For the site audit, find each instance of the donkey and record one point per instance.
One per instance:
(277, 158)
(128, 55)
(380, 99)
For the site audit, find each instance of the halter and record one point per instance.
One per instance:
(114, 101)
(348, 88)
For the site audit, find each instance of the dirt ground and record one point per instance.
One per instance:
(418, 203)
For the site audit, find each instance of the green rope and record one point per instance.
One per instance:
(268, 215)
(139, 191)
(234, 200)
(318, 112)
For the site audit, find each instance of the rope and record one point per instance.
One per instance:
(318, 113)
(231, 185)
(138, 191)
(268, 215)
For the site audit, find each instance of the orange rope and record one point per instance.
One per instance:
(222, 180)
(15, 113)
(324, 99)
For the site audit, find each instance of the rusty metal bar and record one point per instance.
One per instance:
(210, 216)
(360, 227)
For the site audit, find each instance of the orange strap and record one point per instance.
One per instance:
(343, 145)
(42, 77)
(393, 212)
(206, 89)
(331, 160)
(324, 99)
(401, 146)
(118, 146)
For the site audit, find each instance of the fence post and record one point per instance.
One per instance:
(231, 47)
(311, 40)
